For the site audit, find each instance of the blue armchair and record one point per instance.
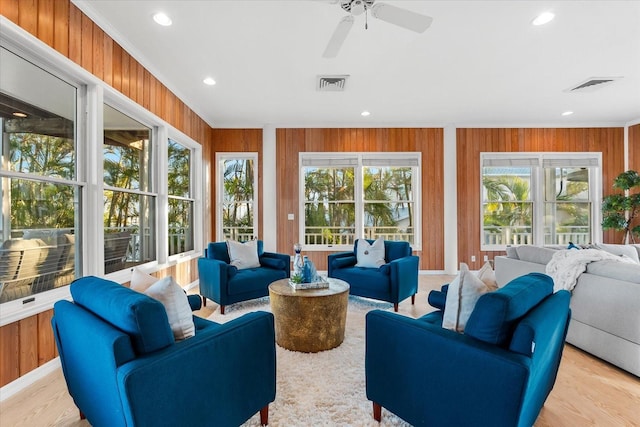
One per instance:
(498, 373)
(123, 367)
(393, 282)
(225, 284)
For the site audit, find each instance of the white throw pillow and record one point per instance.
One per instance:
(140, 280)
(488, 276)
(176, 303)
(464, 291)
(243, 255)
(370, 255)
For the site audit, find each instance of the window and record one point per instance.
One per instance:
(129, 200)
(40, 189)
(181, 201)
(539, 198)
(359, 195)
(237, 196)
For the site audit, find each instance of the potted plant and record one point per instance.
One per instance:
(622, 211)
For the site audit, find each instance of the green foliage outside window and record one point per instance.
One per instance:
(620, 211)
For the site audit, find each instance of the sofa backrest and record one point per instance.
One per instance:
(392, 249)
(219, 251)
(141, 317)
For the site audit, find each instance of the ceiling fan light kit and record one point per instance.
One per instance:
(385, 12)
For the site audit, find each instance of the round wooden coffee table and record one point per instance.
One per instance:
(309, 320)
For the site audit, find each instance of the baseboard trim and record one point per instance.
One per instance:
(28, 379)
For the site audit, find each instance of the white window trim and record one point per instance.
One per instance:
(358, 160)
(195, 170)
(537, 189)
(221, 156)
(92, 93)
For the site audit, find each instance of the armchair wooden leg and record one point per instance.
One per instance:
(395, 307)
(413, 299)
(204, 301)
(377, 412)
(222, 309)
(264, 416)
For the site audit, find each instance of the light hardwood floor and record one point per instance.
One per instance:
(588, 391)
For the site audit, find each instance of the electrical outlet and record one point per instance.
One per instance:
(473, 258)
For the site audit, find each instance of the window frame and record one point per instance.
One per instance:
(360, 160)
(92, 93)
(222, 156)
(195, 170)
(592, 161)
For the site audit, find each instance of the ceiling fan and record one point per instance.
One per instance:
(392, 14)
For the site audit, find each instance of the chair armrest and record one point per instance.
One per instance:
(414, 367)
(213, 277)
(437, 299)
(342, 260)
(225, 373)
(195, 302)
(403, 276)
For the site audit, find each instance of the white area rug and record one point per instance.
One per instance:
(325, 388)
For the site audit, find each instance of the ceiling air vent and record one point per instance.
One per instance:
(592, 84)
(334, 83)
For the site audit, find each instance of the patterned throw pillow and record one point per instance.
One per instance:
(370, 255)
(464, 291)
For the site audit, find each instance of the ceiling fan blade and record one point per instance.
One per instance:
(401, 17)
(338, 37)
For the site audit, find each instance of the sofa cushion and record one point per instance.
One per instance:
(535, 254)
(512, 252)
(619, 250)
(613, 269)
(370, 255)
(243, 255)
(496, 313)
(369, 278)
(143, 318)
(464, 291)
(253, 279)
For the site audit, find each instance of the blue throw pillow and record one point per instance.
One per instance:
(274, 263)
(572, 246)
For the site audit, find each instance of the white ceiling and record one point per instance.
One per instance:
(481, 63)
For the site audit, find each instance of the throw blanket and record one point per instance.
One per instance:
(567, 265)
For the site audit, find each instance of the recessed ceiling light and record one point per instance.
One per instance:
(19, 114)
(365, 113)
(209, 81)
(567, 113)
(162, 19)
(543, 18)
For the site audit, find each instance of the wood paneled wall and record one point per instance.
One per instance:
(471, 142)
(634, 147)
(29, 343)
(25, 345)
(61, 25)
(235, 141)
(290, 142)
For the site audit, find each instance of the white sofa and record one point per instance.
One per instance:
(605, 303)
